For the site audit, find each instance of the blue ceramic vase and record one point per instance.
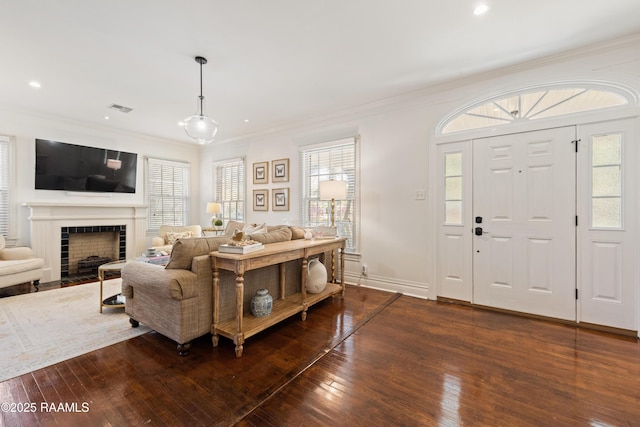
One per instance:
(261, 303)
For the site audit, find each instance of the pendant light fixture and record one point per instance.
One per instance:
(200, 128)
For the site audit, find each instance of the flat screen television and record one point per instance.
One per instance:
(70, 167)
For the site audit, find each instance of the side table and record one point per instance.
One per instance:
(118, 301)
(215, 231)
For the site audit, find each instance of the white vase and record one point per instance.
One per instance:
(316, 276)
(307, 234)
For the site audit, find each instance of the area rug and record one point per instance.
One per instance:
(43, 328)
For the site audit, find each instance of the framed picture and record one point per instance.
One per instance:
(280, 199)
(260, 200)
(280, 170)
(261, 173)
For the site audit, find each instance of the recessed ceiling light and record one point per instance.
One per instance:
(106, 117)
(180, 123)
(246, 120)
(35, 84)
(481, 9)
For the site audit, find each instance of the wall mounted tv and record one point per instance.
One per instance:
(69, 167)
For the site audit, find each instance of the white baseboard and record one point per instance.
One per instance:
(414, 289)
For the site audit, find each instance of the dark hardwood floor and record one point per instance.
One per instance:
(371, 359)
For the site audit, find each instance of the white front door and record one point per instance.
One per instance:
(524, 207)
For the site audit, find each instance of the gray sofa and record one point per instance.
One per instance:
(176, 300)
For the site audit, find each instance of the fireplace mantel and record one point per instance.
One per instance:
(47, 219)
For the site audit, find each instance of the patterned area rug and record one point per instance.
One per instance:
(43, 328)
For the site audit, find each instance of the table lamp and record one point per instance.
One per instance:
(332, 190)
(214, 208)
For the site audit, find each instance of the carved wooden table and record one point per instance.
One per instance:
(246, 325)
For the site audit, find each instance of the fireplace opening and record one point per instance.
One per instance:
(83, 249)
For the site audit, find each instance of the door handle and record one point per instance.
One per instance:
(479, 232)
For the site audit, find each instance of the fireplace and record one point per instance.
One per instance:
(107, 242)
(52, 223)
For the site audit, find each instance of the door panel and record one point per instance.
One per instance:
(524, 189)
(608, 273)
(453, 205)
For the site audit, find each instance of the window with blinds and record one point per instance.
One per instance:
(335, 160)
(230, 188)
(167, 193)
(5, 186)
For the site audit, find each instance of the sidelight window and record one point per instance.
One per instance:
(453, 188)
(606, 181)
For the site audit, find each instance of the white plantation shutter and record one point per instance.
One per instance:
(167, 193)
(5, 185)
(230, 188)
(336, 160)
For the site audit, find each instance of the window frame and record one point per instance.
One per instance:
(219, 167)
(7, 170)
(185, 168)
(309, 193)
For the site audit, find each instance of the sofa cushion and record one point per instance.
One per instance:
(184, 250)
(296, 232)
(232, 226)
(2, 243)
(20, 265)
(280, 235)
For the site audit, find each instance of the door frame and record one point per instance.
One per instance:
(630, 112)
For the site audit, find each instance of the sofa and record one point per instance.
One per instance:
(18, 265)
(176, 300)
(168, 234)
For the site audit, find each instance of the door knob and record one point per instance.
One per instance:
(479, 232)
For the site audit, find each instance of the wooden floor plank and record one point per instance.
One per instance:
(373, 358)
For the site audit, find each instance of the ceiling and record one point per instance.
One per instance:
(269, 62)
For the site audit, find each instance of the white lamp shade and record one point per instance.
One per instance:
(201, 129)
(214, 208)
(114, 164)
(333, 190)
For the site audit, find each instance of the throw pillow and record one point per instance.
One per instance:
(173, 236)
(255, 228)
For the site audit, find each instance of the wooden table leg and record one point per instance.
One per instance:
(216, 307)
(239, 337)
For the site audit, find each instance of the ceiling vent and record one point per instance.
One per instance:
(120, 108)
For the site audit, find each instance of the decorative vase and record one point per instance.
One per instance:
(261, 303)
(316, 276)
(307, 234)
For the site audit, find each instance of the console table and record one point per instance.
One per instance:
(246, 325)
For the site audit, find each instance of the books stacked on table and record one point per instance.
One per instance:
(240, 249)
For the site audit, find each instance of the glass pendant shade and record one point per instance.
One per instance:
(200, 128)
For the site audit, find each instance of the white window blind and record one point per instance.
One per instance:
(335, 160)
(230, 188)
(5, 185)
(167, 193)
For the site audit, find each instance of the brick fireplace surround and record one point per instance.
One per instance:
(49, 220)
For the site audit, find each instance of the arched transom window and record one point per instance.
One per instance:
(538, 104)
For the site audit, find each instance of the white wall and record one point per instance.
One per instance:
(24, 128)
(396, 238)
